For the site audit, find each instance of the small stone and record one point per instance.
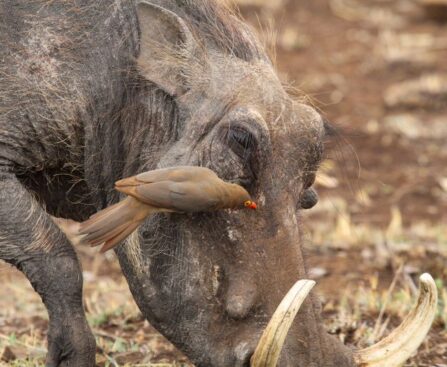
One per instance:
(317, 273)
(414, 127)
(412, 51)
(404, 124)
(367, 254)
(428, 91)
(326, 181)
(443, 183)
(7, 355)
(130, 357)
(291, 39)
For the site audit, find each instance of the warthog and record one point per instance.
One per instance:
(90, 95)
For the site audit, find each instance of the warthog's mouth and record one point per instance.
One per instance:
(391, 351)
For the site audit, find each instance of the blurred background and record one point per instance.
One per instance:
(377, 70)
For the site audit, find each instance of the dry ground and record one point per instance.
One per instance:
(377, 70)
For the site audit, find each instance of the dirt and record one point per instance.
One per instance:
(346, 67)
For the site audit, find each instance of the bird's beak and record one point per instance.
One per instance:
(253, 205)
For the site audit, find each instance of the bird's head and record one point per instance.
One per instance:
(240, 198)
(250, 204)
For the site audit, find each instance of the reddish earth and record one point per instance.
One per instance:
(342, 66)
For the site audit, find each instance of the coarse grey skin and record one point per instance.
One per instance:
(87, 99)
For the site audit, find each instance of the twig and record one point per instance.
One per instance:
(106, 335)
(378, 323)
(7, 338)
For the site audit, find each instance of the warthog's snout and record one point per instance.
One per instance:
(391, 351)
(243, 353)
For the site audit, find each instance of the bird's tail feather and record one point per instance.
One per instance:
(120, 236)
(111, 225)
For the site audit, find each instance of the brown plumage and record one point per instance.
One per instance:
(177, 189)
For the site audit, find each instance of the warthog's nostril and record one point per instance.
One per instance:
(242, 354)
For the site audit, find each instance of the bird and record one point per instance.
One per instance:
(182, 189)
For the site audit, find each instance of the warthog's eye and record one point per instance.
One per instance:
(241, 142)
(236, 151)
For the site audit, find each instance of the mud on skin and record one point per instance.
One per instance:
(88, 97)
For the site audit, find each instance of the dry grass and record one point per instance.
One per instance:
(360, 316)
(378, 270)
(123, 337)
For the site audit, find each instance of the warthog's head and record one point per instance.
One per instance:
(210, 282)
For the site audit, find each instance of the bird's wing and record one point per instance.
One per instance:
(175, 174)
(195, 197)
(176, 196)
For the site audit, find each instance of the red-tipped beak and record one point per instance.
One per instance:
(253, 205)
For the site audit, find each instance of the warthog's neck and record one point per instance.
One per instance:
(134, 137)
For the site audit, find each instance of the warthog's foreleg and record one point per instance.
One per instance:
(32, 242)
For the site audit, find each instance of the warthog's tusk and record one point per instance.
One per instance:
(397, 347)
(391, 351)
(272, 340)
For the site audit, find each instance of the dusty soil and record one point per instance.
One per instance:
(351, 58)
(377, 71)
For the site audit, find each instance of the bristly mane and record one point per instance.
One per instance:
(220, 25)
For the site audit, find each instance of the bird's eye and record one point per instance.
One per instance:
(250, 204)
(241, 142)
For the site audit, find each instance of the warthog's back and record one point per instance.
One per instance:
(59, 63)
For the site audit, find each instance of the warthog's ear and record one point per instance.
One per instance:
(166, 47)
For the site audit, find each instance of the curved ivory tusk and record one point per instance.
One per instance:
(397, 347)
(272, 340)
